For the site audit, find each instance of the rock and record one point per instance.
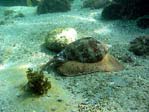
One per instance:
(19, 15)
(112, 12)
(125, 2)
(59, 38)
(13, 14)
(49, 6)
(143, 22)
(140, 46)
(84, 56)
(95, 4)
(2, 22)
(13, 2)
(126, 9)
(8, 12)
(32, 2)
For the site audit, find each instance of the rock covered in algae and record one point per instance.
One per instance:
(49, 6)
(59, 38)
(140, 46)
(84, 56)
(37, 82)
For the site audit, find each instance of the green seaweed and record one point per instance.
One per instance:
(37, 82)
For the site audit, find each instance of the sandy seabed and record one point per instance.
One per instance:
(21, 42)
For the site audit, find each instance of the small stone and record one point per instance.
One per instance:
(59, 100)
(95, 4)
(18, 94)
(139, 46)
(48, 96)
(53, 109)
(2, 22)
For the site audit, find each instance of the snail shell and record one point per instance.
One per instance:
(85, 56)
(86, 50)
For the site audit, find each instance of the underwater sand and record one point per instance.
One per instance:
(21, 42)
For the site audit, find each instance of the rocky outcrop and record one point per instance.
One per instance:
(126, 9)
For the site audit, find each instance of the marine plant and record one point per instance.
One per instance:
(37, 82)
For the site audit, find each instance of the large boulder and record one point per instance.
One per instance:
(49, 6)
(126, 9)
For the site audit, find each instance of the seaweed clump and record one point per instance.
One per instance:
(37, 82)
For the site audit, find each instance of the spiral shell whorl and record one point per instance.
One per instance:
(86, 50)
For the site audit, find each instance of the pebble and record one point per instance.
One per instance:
(18, 94)
(53, 109)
